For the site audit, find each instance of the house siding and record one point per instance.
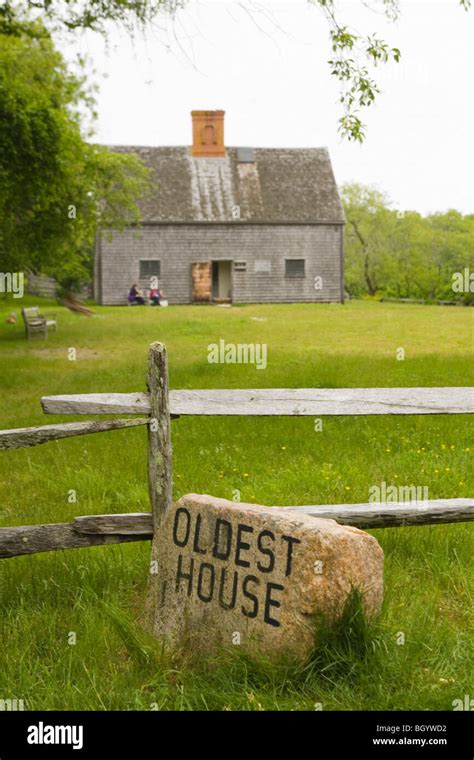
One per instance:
(261, 246)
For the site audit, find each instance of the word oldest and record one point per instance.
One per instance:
(200, 571)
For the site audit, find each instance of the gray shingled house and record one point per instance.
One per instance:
(230, 225)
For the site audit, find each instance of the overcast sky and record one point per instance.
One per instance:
(268, 71)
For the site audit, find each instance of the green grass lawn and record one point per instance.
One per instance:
(99, 593)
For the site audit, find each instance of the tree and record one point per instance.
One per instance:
(354, 53)
(366, 216)
(56, 188)
(403, 254)
(451, 250)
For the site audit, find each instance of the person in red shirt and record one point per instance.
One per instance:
(155, 296)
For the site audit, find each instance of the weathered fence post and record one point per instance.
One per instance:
(160, 485)
(159, 434)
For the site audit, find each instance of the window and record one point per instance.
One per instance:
(294, 267)
(240, 266)
(263, 265)
(245, 155)
(149, 268)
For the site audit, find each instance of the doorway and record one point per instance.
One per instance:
(222, 281)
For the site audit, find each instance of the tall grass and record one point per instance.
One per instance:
(417, 655)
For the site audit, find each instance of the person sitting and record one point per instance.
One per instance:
(135, 296)
(155, 296)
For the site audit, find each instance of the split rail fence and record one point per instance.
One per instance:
(155, 410)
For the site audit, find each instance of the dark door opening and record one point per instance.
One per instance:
(222, 281)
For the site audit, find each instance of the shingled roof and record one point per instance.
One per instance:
(280, 186)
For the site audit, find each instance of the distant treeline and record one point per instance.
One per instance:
(402, 254)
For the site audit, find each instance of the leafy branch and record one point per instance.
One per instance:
(354, 53)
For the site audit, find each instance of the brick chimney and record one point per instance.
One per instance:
(208, 133)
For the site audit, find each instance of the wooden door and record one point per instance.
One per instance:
(201, 276)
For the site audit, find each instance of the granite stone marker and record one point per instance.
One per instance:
(257, 577)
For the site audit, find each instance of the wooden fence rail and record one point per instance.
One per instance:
(160, 405)
(24, 437)
(95, 530)
(275, 401)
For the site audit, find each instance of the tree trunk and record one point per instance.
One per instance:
(371, 287)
